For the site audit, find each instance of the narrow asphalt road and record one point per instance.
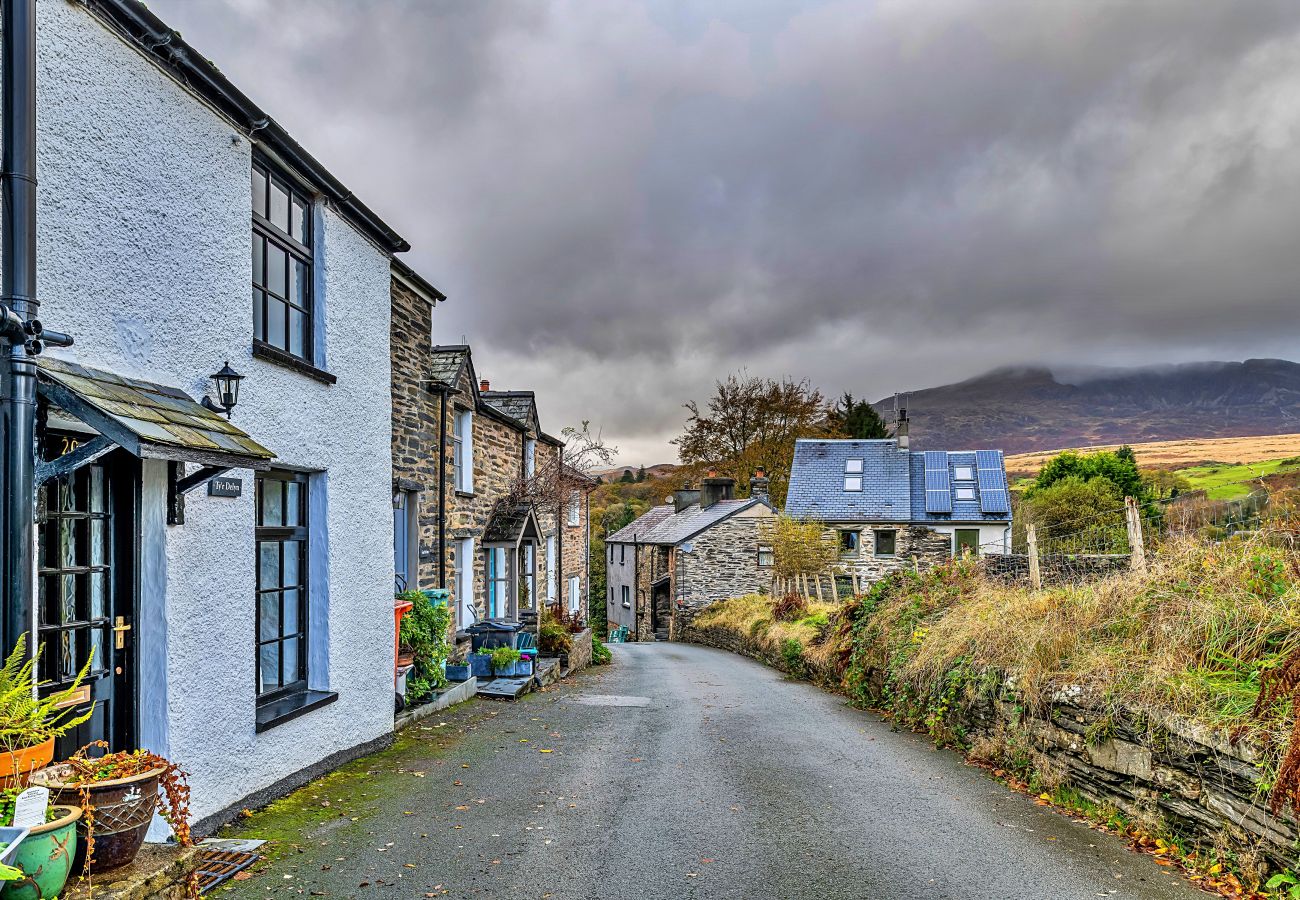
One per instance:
(679, 772)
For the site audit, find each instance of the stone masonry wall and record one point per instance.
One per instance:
(1055, 568)
(722, 562)
(913, 546)
(1154, 770)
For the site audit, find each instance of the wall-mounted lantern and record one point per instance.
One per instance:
(227, 381)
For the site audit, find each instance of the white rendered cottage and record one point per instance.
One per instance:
(244, 630)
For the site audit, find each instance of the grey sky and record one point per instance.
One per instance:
(625, 199)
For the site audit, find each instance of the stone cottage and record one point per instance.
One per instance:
(889, 506)
(483, 504)
(214, 560)
(703, 546)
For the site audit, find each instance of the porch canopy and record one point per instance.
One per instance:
(150, 421)
(512, 525)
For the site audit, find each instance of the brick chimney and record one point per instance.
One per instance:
(714, 489)
(484, 384)
(759, 484)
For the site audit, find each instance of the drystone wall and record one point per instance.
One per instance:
(1055, 568)
(1164, 772)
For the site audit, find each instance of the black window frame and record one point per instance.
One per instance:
(850, 541)
(893, 542)
(267, 233)
(282, 534)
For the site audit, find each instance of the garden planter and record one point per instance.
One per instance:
(46, 857)
(16, 765)
(405, 658)
(480, 666)
(120, 811)
(458, 673)
(524, 667)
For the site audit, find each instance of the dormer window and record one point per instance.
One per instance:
(963, 473)
(853, 474)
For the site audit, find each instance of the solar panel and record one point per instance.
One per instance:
(993, 482)
(938, 499)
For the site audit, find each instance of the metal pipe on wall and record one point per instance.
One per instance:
(18, 289)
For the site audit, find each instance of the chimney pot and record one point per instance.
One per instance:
(714, 490)
(759, 484)
(484, 385)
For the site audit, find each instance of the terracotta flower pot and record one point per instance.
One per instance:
(118, 812)
(16, 765)
(46, 857)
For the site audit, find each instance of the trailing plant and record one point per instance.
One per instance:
(553, 636)
(424, 631)
(27, 719)
(85, 771)
(504, 658)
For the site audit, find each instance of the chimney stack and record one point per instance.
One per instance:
(758, 485)
(684, 498)
(484, 384)
(714, 490)
(901, 422)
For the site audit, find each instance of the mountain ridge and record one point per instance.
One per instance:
(1026, 408)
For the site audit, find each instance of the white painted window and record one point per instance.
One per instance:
(498, 583)
(852, 482)
(530, 457)
(528, 562)
(575, 508)
(463, 455)
(465, 587)
(575, 587)
(627, 597)
(964, 493)
(853, 467)
(551, 575)
(963, 473)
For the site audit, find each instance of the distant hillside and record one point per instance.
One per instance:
(1022, 410)
(615, 472)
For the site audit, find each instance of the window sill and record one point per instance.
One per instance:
(286, 709)
(263, 350)
(467, 495)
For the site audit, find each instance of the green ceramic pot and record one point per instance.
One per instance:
(45, 856)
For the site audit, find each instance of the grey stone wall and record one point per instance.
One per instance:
(1055, 568)
(580, 655)
(721, 562)
(913, 547)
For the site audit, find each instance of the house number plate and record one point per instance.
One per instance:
(225, 487)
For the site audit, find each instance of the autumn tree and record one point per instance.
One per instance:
(751, 422)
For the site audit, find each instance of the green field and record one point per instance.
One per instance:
(1228, 482)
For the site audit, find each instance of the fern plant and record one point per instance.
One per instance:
(27, 719)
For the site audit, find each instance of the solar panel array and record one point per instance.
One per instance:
(993, 482)
(938, 499)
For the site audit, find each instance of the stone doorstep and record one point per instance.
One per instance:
(457, 693)
(159, 871)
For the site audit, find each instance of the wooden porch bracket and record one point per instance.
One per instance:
(85, 454)
(179, 484)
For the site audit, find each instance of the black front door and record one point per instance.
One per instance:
(85, 592)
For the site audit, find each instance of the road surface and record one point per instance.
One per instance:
(680, 772)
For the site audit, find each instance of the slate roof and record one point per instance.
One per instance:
(662, 525)
(893, 484)
(445, 363)
(146, 418)
(518, 405)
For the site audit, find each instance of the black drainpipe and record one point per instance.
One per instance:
(442, 492)
(18, 260)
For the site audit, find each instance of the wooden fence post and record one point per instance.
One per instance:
(1137, 550)
(818, 578)
(1035, 573)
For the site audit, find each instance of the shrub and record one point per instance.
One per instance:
(790, 607)
(600, 654)
(424, 631)
(553, 636)
(504, 658)
(792, 657)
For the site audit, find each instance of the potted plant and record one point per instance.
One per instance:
(29, 723)
(423, 637)
(118, 793)
(480, 663)
(44, 860)
(504, 660)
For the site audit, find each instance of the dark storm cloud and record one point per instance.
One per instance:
(625, 200)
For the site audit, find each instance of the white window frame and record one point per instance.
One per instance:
(551, 575)
(963, 473)
(575, 509)
(530, 457)
(626, 596)
(964, 492)
(574, 592)
(853, 483)
(464, 451)
(465, 578)
(853, 466)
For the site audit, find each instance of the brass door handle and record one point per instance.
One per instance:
(120, 628)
